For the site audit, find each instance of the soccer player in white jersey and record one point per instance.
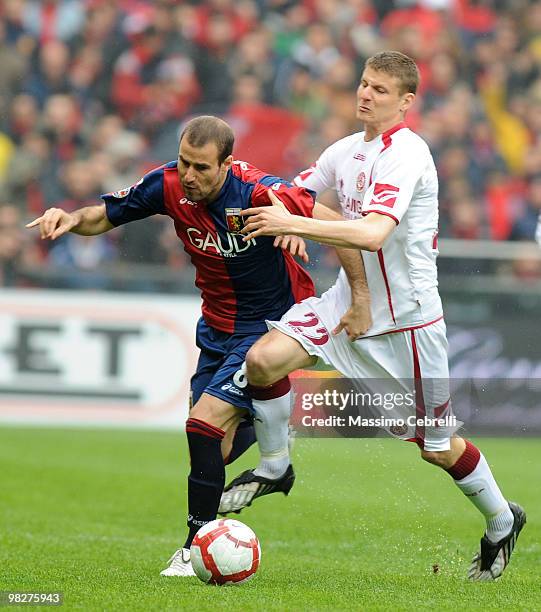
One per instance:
(387, 185)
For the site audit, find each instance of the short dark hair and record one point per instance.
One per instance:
(207, 128)
(398, 65)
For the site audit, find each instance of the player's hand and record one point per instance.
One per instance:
(53, 223)
(266, 220)
(356, 321)
(295, 245)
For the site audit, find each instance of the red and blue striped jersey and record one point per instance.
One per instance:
(242, 283)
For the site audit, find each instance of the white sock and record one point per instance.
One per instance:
(484, 493)
(271, 428)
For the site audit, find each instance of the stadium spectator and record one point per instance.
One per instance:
(50, 76)
(23, 117)
(27, 173)
(49, 20)
(14, 67)
(82, 259)
(525, 226)
(253, 57)
(15, 250)
(80, 182)
(213, 63)
(302, 94)
(123, 152)
(316, 52)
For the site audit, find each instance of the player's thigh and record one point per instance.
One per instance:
(200, 381)
(213, 353)
(229, 381)
(217, 412)
(275, 355)
(222, 390)
(310, 323)
(411, 368)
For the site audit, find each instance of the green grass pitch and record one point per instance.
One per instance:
(96, 514)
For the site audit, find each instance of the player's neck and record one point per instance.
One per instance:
(373, 130)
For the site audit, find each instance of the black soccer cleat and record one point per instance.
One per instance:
(241, 492)
(490, 562)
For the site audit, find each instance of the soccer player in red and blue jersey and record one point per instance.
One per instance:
(242, 284)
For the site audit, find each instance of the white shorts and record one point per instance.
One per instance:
(411, 361)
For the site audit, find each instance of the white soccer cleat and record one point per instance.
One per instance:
(179, 564)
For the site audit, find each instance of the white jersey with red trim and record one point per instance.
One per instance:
(394, 175)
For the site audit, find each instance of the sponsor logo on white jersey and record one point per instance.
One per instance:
(352, 207)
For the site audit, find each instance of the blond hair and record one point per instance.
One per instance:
(398, 65)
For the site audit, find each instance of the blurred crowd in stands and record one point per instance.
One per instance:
(93, 94)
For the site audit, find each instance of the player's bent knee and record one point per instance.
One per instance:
(275, 356)
(260, 366)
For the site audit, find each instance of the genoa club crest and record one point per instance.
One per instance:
(361, 181)
(233, 219)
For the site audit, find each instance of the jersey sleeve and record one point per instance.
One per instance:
(139, 201)
(298, 200)
(321, 175)
(393, 181)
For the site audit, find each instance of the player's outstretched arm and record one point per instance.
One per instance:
(358, 319)
(88, 221)
(368, 234)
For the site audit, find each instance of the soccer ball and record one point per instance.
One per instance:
(225, 551)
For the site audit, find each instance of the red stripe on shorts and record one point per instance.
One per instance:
(420, 409)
